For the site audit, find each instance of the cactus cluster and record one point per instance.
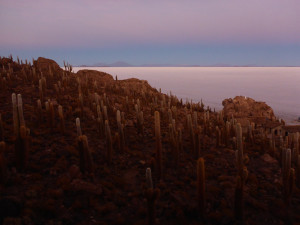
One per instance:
(21, 132)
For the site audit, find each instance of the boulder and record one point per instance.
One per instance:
(243, 107)
(44, 64)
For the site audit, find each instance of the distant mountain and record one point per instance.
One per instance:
(125, 64)
(115, 64)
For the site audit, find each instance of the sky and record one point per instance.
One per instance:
(193, 32)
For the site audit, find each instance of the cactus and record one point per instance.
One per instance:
(2, 163)
(139, 117)
(121, 131)
(158, 145)
(78, 127)
(44, 84)
(296, 147)
(20, 131)
(170, 116)
(80, 102)
(201, 185)
(151, 196)
(288, 176)
(105, 112)
(15, 115)
(174, 142)
(39, 110)
(239, 152)
(250, 134)
(298, 172)
(218, 137)
(180, 145)
(61, 119)
(51, 115)
(238, 199)
(100, 121)
(195, 120)
(20, 110)
(149, 178)
(86, 161)
(108, 142)
(21, 148)
(191, 132)
(199, 141)
(127, 103)
(1, 129)
(41, 90)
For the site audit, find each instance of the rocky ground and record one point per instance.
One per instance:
(52, 188)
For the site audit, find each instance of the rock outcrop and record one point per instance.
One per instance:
(44, 64)
(243, 107)
(93, 74)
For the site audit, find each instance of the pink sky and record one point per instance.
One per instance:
(67, 23)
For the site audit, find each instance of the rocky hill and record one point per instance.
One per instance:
(85, 148)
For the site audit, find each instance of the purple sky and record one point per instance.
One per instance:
(30, 27)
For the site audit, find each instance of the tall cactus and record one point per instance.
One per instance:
(149, 178)
(86, 161)
(78, 127)
(201, 185)
(100, 121)
(238, 199)
(108, 142)
(2, 163)
(191, 132)
(298, 172)
(239, 152)
(296, 147)
(15, 115)
(158, 144)
(51, 115)
(61, 119)
(20, 131)
(121, 131)
(39, 110)
(151, 196)
(1, 129)
(288, 176)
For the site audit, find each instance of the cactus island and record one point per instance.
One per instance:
(85, 148)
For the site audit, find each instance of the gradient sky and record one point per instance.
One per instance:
(204, 32)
